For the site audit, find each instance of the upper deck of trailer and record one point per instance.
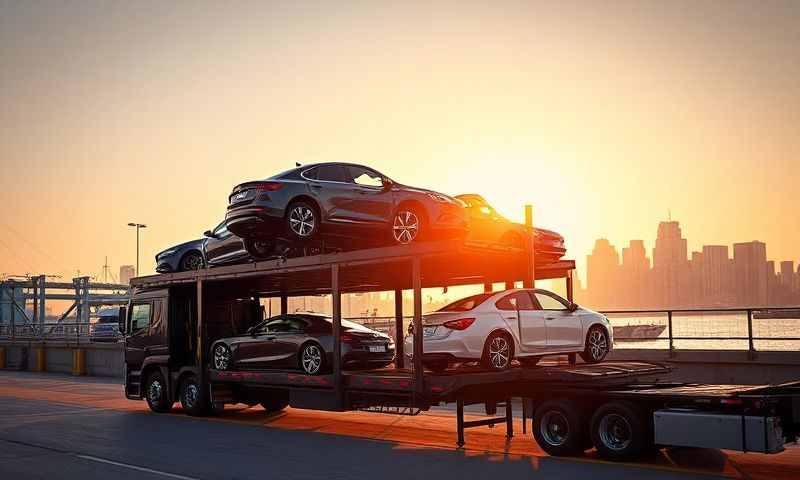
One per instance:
(442, 264)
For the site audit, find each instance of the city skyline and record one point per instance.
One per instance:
(673, 276)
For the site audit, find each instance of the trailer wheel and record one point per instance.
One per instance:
(193, 400)
(222, 357)
(156, 393)
(621, 431)
(558, 428)
(277, 401)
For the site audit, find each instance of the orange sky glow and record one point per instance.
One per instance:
(604, 119)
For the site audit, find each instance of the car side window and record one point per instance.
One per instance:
(222, 231)
(278, 325)
(364, 177)
(551, 302)
(311, 173)
(331, 173)
(140, 317)
(515, 301)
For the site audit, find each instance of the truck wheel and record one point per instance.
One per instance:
(193, 400)
(277, 401)
(558, 428)
(620, 431)
(156, 393)
(222, 357)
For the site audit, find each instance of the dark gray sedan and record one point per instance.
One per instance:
(302, 341)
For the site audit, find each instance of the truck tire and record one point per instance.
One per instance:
(621, 431)
(193, 400)
(156, 393)
(558, 428)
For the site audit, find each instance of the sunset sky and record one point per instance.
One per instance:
(603, 118)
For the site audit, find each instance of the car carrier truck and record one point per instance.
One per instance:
(623, 409)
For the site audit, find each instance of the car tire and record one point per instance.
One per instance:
(597, 345)
(156, 393)
(558, 428)
(498, 351)
(531, 361)
(312, 358)
(302, 221)
(193, 400)
(277, 401)
(221, 357)
(191, 261)
(408, 225)
(260, 249)
(621, 431)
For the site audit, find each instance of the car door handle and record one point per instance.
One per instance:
(315, 186)
(510, 318)
(549, 318)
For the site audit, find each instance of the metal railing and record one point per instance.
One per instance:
(63, 331)
(748, 334)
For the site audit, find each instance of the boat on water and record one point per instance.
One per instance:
(638, 332)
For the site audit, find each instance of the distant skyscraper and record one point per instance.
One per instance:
(670, 265)
(634, 274)
(715, 283)
(602, 273)
(126, 272)
(750, 273)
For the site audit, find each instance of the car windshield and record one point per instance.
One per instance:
(466, 304)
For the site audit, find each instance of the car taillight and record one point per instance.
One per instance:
(347, 338)
(269, 186)
(459, 324)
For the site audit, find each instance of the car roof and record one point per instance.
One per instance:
(318, 164)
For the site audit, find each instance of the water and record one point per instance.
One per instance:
(712, 331)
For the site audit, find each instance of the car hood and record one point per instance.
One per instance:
(190, 244)
(425, 191)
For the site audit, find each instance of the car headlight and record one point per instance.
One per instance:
(166, 253)
(441, 198)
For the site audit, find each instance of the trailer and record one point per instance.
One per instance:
(621, 408)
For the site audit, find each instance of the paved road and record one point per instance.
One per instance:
(57, 426)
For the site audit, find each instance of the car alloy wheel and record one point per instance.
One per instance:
(192, 261)
(311, 359)
(499, 352)
(301, 221)
(190, 395)
(406, 227)
(222, 357)
(598, 344)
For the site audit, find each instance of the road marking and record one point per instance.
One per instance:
(135, 467)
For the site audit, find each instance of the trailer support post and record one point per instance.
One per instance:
(751, 348)
(669, 328)
(398, 328)
(460, 422)
(487, 287)
(200, 347)
(509, 419)
(570, 287)
(284, 304)
(416, 280)
(530, 276)
(336, 297)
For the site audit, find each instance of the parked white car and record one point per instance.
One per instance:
(522, 324)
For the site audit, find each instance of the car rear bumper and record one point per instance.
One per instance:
(251, 221)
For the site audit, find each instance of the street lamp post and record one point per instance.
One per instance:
(137, 226)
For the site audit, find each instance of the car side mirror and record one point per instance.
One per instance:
(573, 307)
(208, 233)
(387, 183)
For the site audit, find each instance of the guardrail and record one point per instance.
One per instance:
(743, 325)
(68, 332)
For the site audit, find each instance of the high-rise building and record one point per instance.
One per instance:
(750, 273)
(126, 272)
(716, 274)
(634, 275)
(602, 273)
(670, 265)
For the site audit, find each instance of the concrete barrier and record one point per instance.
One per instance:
(99, 359)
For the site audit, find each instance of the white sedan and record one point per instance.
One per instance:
(522, 324)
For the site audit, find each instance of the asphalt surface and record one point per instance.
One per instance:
(45, 432)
